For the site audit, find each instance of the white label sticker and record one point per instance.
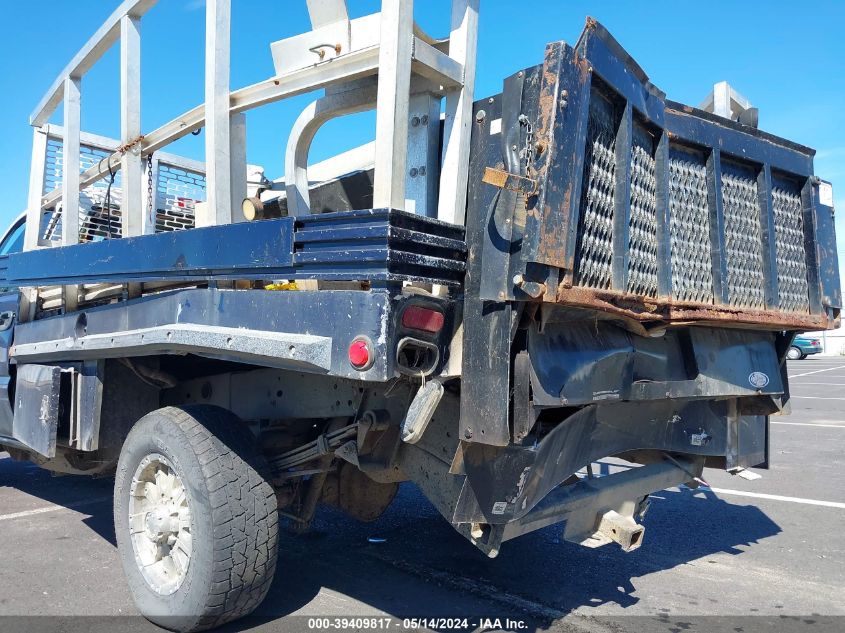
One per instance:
(826, 194)
(495, 127)
(758, 379)
(499, 507)
(699, 439)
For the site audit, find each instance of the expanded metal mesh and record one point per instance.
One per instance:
(743, 240)
(689, 230)
(642, 230)
(593, 267)
(793, 292)
(177, 190)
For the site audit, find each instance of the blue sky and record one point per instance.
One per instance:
(788, 59)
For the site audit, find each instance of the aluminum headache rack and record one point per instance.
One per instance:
(86, 188)
(608, 196)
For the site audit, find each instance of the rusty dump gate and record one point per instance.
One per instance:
(608, 196)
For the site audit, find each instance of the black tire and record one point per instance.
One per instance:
(233, 516)
(794, 353)
(803, 356)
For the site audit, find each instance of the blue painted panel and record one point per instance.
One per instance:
(177, 255)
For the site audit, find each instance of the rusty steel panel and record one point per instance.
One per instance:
(649, 209)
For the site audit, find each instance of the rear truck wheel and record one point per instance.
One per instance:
(195, 518)
(794, 353)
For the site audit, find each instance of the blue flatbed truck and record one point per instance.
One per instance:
(576, 268)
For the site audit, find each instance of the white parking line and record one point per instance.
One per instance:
(53, 508)
(818, 371)
(827, 426)
(814, 398)
(760, 495)
(825, 384)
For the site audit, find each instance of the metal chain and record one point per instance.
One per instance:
(150, 187)
(528, 151)
(107, 199)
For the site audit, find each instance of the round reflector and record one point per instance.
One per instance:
(359, 354)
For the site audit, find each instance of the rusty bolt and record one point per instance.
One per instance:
(424, 119)
(540, 147)
(415, 121)
(479, 116)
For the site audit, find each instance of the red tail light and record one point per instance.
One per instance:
(424, 319)
(359, 354)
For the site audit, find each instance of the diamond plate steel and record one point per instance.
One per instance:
(793, 291)
(743, 238)
(593, 266)
(642, 231)
(689, 230)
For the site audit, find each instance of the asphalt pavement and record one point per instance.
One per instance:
(743, 555)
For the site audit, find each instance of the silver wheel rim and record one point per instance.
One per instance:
(160, 524)
(793, 353)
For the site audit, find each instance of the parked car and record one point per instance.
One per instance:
(803, 346)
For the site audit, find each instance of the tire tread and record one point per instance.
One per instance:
(243, 509)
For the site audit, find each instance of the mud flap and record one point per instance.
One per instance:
(37, 407)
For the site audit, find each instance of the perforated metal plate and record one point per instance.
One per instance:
(595, 242)
(642, 232)
(94, 221)
(689, 228)
(793, 292)
(743, 240)
(177, 190)
(177, 193)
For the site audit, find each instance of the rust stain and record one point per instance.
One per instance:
(495, 177)
(505, 180)
(648, 309)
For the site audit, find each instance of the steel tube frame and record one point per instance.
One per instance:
(305, 128)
